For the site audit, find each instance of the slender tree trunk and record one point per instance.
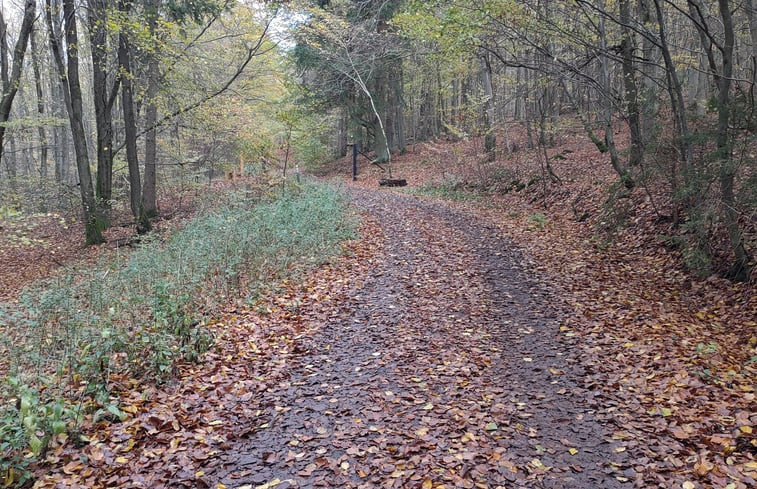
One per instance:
(73, 97)
(4, 61)
(740, 267)
(675, 91)
(43, 163)
(11, 78)
(149, 190)
(608, 110)
(103, 99)
(62, 163)
(751, 13)
(548, 171)
(11, 162)
(341, 140)
(57, 110)
(130, 128)
(400, 114)
(650, 91)
(490, 138)
(636, 150)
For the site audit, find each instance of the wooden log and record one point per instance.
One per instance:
(392, 182)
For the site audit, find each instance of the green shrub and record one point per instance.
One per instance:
(537, 220)
(138, 314)
(451, 188)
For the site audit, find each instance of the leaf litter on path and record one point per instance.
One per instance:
(417, 381)
(402, 365)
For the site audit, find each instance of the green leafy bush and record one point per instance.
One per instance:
(537, 221)
(136, 315)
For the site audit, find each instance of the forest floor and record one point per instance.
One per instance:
(495, 341)
(35, 247)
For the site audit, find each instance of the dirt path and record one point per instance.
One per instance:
(447, 366)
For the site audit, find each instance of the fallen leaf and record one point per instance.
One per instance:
(268, 485)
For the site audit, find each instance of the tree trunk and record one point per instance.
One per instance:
(130, 128)
(103, 99)
(149, 188)
(395, 106)
(751, 13)
(650, 88)
(607, 106)
(73, 97)
(11, 164)
(380, 144)
(490, 138)
(11, 79)
(636, 150)
(675, 91)
(739, 269)
(340, 148)
(43, 163)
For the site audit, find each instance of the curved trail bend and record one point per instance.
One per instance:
(446, 367)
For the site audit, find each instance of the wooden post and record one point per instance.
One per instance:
(354, 161)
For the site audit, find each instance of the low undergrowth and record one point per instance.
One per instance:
(77, 340)
(450, 188)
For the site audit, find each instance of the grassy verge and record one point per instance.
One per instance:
(80, 338)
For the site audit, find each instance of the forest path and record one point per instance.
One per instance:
(446, 365)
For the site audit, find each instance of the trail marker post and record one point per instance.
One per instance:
(354, 160)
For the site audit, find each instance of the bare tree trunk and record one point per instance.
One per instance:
(149, 188)
(60, 132)
(751, 13)
(4, 62)
(104, 97)
(636, 151)
(740, 267)
(396, 106)
(11, 79)
(490, 138)
(608, 110)
(675, 91)
(649, 68)
(340, 148)
(547, 170)
(11, 162)
(43, 163)
(130, 127)
(73, 97)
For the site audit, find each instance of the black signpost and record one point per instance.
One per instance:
(354, 161)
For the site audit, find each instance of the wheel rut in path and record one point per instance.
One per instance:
(447, 366)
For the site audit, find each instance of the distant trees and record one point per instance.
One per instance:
(349, 55)
(10, 68)
(680, 76)
(105, 80)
